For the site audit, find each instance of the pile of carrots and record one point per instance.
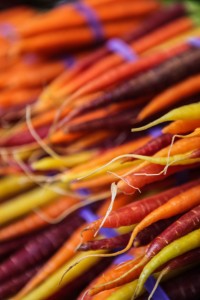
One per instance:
(100, 151)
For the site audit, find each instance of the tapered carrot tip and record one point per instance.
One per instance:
(89, 232)
(125, 188)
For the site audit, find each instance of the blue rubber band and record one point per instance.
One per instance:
(69, 61)
(194, 41)
(92, 19)
(8, 31)
(89, 216)
(159, 293)
(119, 46)
(155, 132)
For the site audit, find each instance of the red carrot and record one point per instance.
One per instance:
(135, 212)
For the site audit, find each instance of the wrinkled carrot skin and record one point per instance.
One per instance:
(171, 96)
(181, 126)
(34, 222)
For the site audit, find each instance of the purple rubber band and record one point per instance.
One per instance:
(122, 258)
(8, 31)
(69, 61)
(159, 293)
(119, 46)
(194, 41)
(89, 216)
(92, 19)
(155, 132)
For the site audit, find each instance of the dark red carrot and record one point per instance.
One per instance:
(38, 249)
(13, 285)
(183, 287)
(120, 120)
(185, 224)
(136, 211)
(183, 260)
(153, 146)
(143, 238)
(170, 72)
(10, 246)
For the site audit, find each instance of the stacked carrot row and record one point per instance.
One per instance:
(61, 153)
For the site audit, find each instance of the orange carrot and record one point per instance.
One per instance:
(62, 40)
(171, 96)
(113, 60)
(181, 126)
(34, 221)
(176, 205)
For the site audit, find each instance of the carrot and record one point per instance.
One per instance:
(171, 96)
(186, 243)
(135, 212)
(109, 154)
(186, 112)
(53, 283)
(108, 281)
(185, 224)
(66, 252)
(18, 184)
(24, 203)
(143, 238)
(181, 126)
(38, 249)
(185, 286)
(128, 70)
(139, 46)
(179, 203)
(56, 42)
(34, 221)
(158, 19)
(152, 146)
(187, 64)
(181, 261)
(13, 285)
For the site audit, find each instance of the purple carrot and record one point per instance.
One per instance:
(13, 285)
(183, 260)
(39, 248)
(153, 81)
(10, 246)
(186, 286)
(185, 224)
(139, 209)
(142, 239)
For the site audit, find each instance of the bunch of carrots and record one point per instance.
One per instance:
(100, 151)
